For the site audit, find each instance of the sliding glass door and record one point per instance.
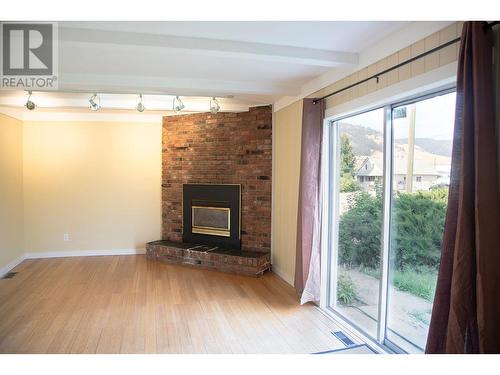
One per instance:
(423, 135)
(389, 172)
(357, 184)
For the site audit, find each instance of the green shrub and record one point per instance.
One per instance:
(347, 291)
(349, 184)
(359, 232)
(418, 220)
(418, 229)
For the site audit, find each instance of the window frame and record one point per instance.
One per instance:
(330, 222)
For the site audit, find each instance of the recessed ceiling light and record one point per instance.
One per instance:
(29, 103)
(140, 107)
(214, 106)
(95, 102)
(177, 104)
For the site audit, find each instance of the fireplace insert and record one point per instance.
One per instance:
(211, 214)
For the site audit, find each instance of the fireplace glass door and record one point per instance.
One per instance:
(215, 221)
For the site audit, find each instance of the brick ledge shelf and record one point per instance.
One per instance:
(250, 263)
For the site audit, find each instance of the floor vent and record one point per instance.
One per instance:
(9, 275)
(342, 337)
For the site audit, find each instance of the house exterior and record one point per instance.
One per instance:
(425, 174)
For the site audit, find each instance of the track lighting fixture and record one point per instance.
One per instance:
(140, 107)
(29, 103)
(177, 104)
(214, 106)
(95, 102)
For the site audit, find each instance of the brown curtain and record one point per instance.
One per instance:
(312, 132)
(466, 313)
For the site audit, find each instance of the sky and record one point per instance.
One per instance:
(434, 119)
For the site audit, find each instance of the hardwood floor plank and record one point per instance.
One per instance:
(127, 304)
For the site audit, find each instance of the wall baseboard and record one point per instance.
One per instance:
(9, 266)
(83, 253)
(65, 254)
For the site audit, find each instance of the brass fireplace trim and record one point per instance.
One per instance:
(224, 232)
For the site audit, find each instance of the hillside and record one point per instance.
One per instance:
(433, 146)
(366, 141)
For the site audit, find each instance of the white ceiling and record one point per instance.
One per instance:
(248, 63)
(349, 36)
(259, 61)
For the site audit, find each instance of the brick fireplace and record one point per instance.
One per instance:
(223, 149)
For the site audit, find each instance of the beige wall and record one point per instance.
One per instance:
(11, 190)
(433, 61)
(287, 131)
(98, 182)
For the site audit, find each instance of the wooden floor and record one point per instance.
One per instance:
(127, 304)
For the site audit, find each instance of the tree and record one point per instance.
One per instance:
(347, 166)
(348, 160)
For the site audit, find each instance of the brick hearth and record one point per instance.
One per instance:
(251, 263)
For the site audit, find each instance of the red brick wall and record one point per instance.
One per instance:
(226, 148)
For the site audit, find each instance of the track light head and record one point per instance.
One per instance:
(95, 103)
(214, 106)
(177, 104)
(140, 107)
(30, 105)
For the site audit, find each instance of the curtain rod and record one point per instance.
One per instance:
(377, 75)
(406, 62)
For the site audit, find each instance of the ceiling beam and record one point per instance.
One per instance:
(213, 47)
(169, 85)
